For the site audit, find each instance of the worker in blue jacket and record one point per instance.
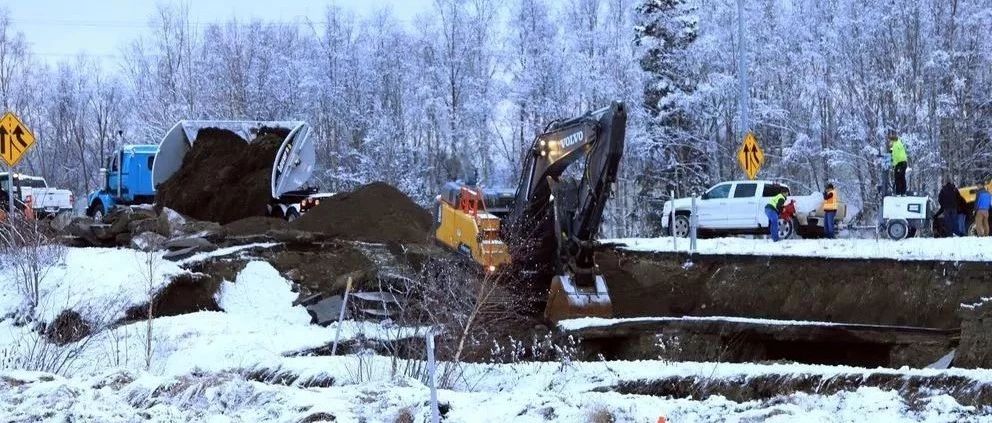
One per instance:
(983, 201)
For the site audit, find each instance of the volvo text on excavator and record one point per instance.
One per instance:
(547, 228)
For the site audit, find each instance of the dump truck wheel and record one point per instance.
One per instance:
(96, 210)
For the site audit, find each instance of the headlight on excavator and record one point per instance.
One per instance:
(492, 268)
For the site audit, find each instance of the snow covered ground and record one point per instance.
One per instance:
(226, 366)
(580, 323)
(227, 397)
(937, 249)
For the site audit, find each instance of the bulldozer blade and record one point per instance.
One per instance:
(566, 300)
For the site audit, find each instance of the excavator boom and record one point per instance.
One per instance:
(556, 220)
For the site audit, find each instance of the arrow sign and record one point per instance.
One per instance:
(750, 157)
(11, 129)
(19, 133)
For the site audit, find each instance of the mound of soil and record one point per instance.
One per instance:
(255, 225)
(67, 328)
(375, 212)
(223, 178)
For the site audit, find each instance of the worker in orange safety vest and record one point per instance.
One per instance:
(830, 201)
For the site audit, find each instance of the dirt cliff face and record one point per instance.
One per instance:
(887, 292)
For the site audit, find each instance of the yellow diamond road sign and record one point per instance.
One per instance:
(750, 156)
(15, 139)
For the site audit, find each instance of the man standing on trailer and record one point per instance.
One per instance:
(899, 162)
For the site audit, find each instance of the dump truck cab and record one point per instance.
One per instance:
(127, 180)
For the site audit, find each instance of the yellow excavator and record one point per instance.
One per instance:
(467, 226)
(547, 228)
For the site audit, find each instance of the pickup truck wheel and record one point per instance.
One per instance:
(787, 228)
(680, 227)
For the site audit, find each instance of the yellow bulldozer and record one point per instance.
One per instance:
(547, 227)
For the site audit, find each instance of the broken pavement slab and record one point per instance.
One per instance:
(148, 241)
(183, 248)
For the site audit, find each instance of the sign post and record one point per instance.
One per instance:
(344, 308)
(750, 156)
(432, 377)
(15, 140)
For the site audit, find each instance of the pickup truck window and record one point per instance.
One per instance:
(745, 190)
(719, 191)
(773, 190)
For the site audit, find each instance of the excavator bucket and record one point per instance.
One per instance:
(291, 168)
(567, 300)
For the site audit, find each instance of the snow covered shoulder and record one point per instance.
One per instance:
(941, 249)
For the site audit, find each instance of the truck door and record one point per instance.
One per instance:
(114, 174)
(712, 206)
(742, 206)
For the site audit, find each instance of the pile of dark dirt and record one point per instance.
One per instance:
(224, 179)
(375, 212)
(255, 225)
(67, 328)
(327, 269)
(190, 293)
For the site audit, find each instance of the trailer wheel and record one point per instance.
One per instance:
(897, 229)
(292, 214)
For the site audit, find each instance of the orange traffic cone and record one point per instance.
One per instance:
(661, 419)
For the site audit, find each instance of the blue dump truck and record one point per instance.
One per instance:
(134, 171)
(127, 180)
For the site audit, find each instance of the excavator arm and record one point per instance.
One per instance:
(555, 221)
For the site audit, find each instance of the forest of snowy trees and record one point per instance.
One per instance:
(467, 85)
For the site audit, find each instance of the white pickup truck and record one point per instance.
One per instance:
(46, 202)
(738, 207)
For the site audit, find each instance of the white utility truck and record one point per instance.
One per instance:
(738, 207)
(46, 202)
